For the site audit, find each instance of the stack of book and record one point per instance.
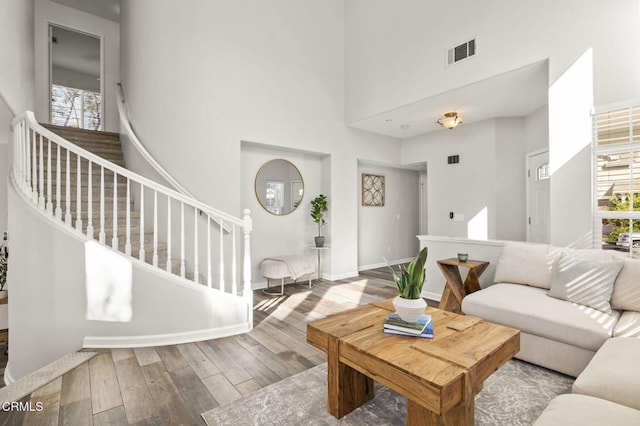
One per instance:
(423, 327)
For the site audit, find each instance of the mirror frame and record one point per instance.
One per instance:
(255, 186)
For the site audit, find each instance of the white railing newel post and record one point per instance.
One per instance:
(247, 291)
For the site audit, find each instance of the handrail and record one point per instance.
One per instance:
(43, 164)
(33, 124)
(124, 120)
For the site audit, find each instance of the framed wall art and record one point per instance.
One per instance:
(372, 190)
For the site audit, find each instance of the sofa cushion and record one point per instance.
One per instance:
(626, 292)
(584, 281)
(525, 263)
(571, 409)
(628, 325)
(532, 311)
(613, 373)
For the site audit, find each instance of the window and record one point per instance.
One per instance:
(616, 160)
(75, 108)
(543, 172)
(275, 196)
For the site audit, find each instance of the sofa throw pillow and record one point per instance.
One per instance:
(585, 281)
(525, 263)
(626, 291)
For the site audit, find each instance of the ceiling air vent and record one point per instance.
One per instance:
(461, 52)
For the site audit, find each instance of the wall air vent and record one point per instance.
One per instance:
(461, 52)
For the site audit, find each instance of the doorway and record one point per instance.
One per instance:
(75, 79)
(423, 226)
(538, 211)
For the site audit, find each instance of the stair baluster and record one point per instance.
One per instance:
(127, 244)
(169, 267)
(102, 236)
(114, 238)
(183, 266)
(90, 200)
(58, 180)
(49, 194)
(155, 229)
(222, 284)
(79, 196)
(196, 272)
(67, 216)
(34, 166)
(209, 278)
(141, 254)
(41, 200)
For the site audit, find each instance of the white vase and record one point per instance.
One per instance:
(409, 309)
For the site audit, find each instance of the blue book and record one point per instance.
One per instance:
(394, 322)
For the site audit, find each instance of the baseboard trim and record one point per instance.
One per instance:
(383, 264)
(431, 295)
(163, 339)
(336, 277)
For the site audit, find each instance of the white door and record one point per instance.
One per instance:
(538, 214)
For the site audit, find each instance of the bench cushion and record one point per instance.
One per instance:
(613, 373)
(584, 410)
(532, 311)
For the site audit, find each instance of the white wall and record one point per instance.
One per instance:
(16, 60)
(388, 231)
(290, 234)
(391, 47)
(271, 72)
(536, 130)
(17, 81)
(465, 188)
(48, 12)
(510, 196)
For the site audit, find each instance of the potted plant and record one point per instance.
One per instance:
(318, 209)
(408, 304)
(4, 264)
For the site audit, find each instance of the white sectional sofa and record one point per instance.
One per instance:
(556, 332)
(579, 313)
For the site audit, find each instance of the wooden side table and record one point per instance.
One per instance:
(455, 290)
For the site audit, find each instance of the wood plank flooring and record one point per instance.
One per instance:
(173, 385)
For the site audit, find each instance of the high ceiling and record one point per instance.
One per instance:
(513, 94)
(108, 9)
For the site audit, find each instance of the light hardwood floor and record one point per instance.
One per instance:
(172, 385)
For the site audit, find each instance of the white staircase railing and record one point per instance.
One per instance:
(47, 169)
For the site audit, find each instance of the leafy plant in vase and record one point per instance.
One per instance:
(318, 209)
(408, 304)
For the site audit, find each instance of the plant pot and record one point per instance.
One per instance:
(319, 241)
(409, 309)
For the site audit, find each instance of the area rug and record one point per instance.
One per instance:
(514, 395)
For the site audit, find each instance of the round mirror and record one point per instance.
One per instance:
(279, 186)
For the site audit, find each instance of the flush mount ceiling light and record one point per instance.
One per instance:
(450, 120)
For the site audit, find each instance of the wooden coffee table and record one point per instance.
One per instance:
(439, 377)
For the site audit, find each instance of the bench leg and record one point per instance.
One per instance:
(270, 293)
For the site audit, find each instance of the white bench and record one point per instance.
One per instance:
(279, 268)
